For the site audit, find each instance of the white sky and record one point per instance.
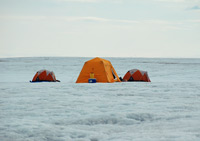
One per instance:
(104, 28)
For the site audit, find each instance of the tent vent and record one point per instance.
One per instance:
(131, 79)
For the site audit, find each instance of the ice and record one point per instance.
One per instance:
(165, 109)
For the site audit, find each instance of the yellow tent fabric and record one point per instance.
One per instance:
(102, 69)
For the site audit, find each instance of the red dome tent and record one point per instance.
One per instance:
(45, 75)
(136, 75)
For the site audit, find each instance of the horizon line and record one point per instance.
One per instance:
(156, 57)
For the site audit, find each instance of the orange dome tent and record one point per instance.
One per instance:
(99, 69)
(45, 75)
(136, 75)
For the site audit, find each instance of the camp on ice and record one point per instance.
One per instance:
(96, 70)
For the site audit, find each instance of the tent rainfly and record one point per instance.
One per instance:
(44, 75)
(99, 69)
(136, 75)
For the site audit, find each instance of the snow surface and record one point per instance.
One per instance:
(166, 109)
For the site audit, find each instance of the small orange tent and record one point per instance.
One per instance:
(44, 75)
(101, 69)
(136, 75)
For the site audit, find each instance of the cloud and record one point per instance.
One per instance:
(64, 18)
(90, 1)
(22, 18)
(195, 8)
(123, 23)
(82, 19)
(178, 1)
(97, 20)
(170, 0)
(123, 1)
(194, 21)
